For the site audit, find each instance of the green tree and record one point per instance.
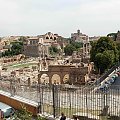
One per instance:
(69, 49)
(41, 118)
(53, 50)
(104, 60)
(104, 53)
(16, 48)
(23, 114)
(8, 52)
(112, 35)
(77, 45)
(118, 48)
(73, 46)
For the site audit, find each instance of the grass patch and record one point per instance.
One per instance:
(20, 65)
(23, 65)
(69, 111)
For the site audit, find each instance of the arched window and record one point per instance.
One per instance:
(51, 37)
(47, 37)
(44, 78)
(31, 42)
(54, 38)
(55, 79)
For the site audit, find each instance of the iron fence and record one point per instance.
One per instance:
(85, 103)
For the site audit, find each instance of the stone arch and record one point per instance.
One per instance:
(66, 78)
(47, 37)
(56, 79)
(40, 80)
(51, 37)
(44, 78)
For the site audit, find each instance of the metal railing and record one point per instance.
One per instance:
(105, 75)
(85, 103)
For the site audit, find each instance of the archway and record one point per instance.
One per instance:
(66, 78)
(44, 78)
(47, 37)
(55, 38)
(55, 79)
(51, 37)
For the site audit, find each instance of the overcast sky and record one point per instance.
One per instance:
(33, 17)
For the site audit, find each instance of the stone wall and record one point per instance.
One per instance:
(12, 59)
(31, 51)
(79, 75)
(17, 104)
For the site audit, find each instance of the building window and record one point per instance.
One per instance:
(51, 38)
(47, 37)
(31, 42)
(34, 42)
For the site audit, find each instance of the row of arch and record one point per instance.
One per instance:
(55, 79)
(52, 38)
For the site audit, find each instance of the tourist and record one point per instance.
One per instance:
(75, 118)
(63, 117)
(1, 115)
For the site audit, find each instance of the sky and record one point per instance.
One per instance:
(36, 17)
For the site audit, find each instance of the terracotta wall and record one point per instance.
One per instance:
(17, 104)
